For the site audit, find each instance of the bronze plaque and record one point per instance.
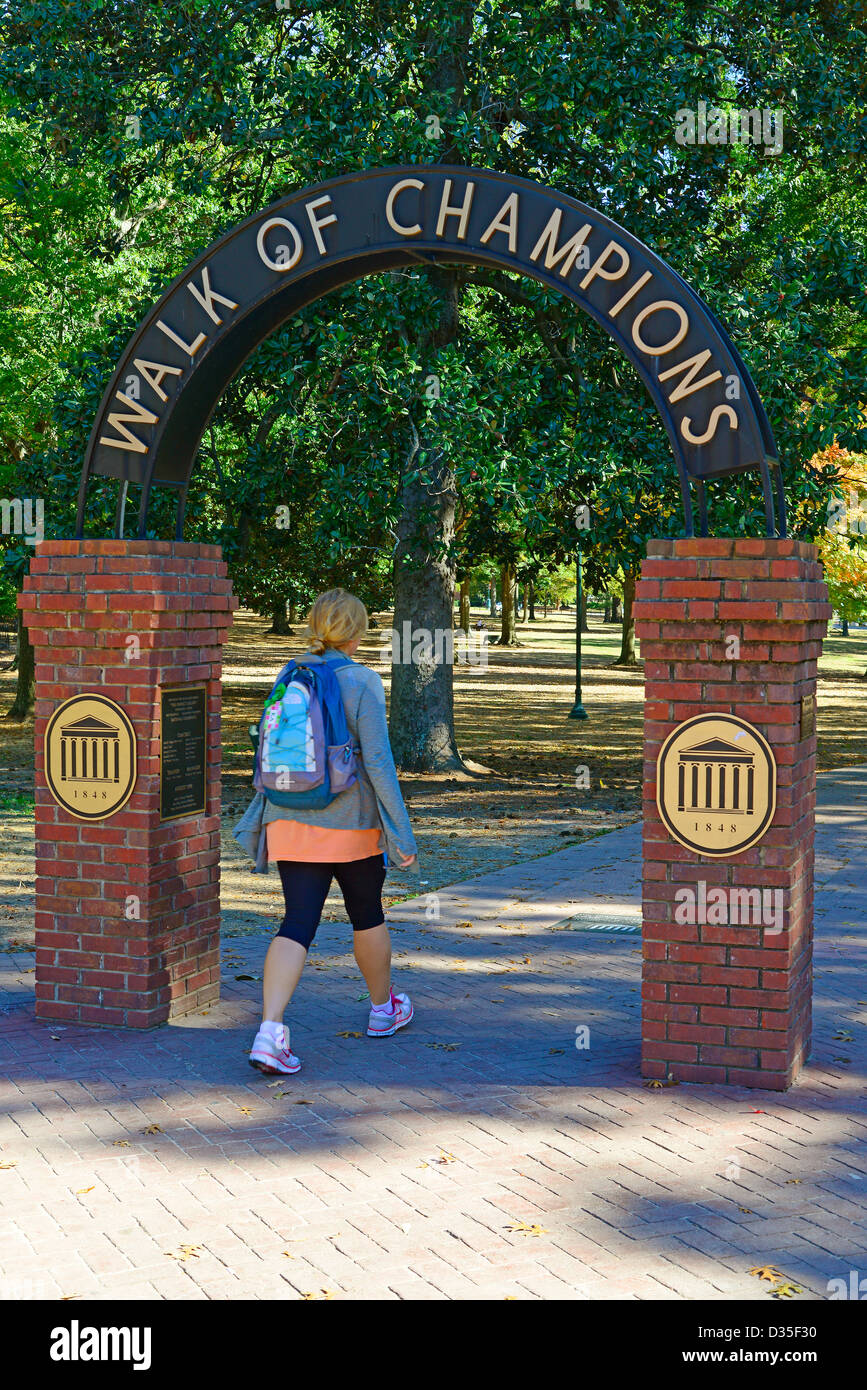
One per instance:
(808, 716)
(716, 785)
(183, 751)
(90, 761)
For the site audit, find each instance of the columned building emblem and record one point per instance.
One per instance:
(716, 784)
(90, 757)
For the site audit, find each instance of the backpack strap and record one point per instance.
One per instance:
(287, 670)
(284, 678)
(331, 700)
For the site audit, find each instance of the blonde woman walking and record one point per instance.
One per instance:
(344, 840)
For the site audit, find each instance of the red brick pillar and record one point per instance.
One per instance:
(127, 907)
(735, 627)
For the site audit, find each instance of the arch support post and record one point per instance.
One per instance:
(128, 901)
(731, 632)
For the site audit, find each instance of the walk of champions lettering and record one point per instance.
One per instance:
(716, 785)
(651, 313)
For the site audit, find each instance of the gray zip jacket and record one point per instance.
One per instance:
(373, 802)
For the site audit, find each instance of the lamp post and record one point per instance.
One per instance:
(578, 711)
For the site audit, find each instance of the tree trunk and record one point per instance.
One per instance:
(464, 620)
(524, 604)
(627, 655)
(616, 613)
(492, 598)
(280, 626)
(23, 703)
(421, 716)
(508, 634)
(531, 617)
(844, 627)
(293, 611)
(606, 616)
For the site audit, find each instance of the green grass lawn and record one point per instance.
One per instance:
(845, 654)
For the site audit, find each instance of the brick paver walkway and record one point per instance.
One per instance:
(477, 1154)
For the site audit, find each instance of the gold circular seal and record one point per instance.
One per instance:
(716, 784)
(90, 757)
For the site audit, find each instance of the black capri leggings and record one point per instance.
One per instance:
(305, 888)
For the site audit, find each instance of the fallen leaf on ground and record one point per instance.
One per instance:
(785, 1290)
(300, 1240)
(525, 1229)
(152, 1129)
(769, 1272)
(8, 1162)
(444, 1047)
(80, 1191)
(346, 1034)
(121, 1143)
(185, 1252)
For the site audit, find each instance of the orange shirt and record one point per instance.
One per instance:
(314, 844)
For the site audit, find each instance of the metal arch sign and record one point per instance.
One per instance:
(251, 280)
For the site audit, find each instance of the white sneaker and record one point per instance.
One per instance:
(271, 1053)
(382, 1025)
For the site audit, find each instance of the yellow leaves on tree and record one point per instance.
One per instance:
(841, 549)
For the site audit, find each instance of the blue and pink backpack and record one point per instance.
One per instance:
(305, 756)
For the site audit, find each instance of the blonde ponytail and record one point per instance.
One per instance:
(335, 619)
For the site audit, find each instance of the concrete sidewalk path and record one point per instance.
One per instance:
(478, 1154)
